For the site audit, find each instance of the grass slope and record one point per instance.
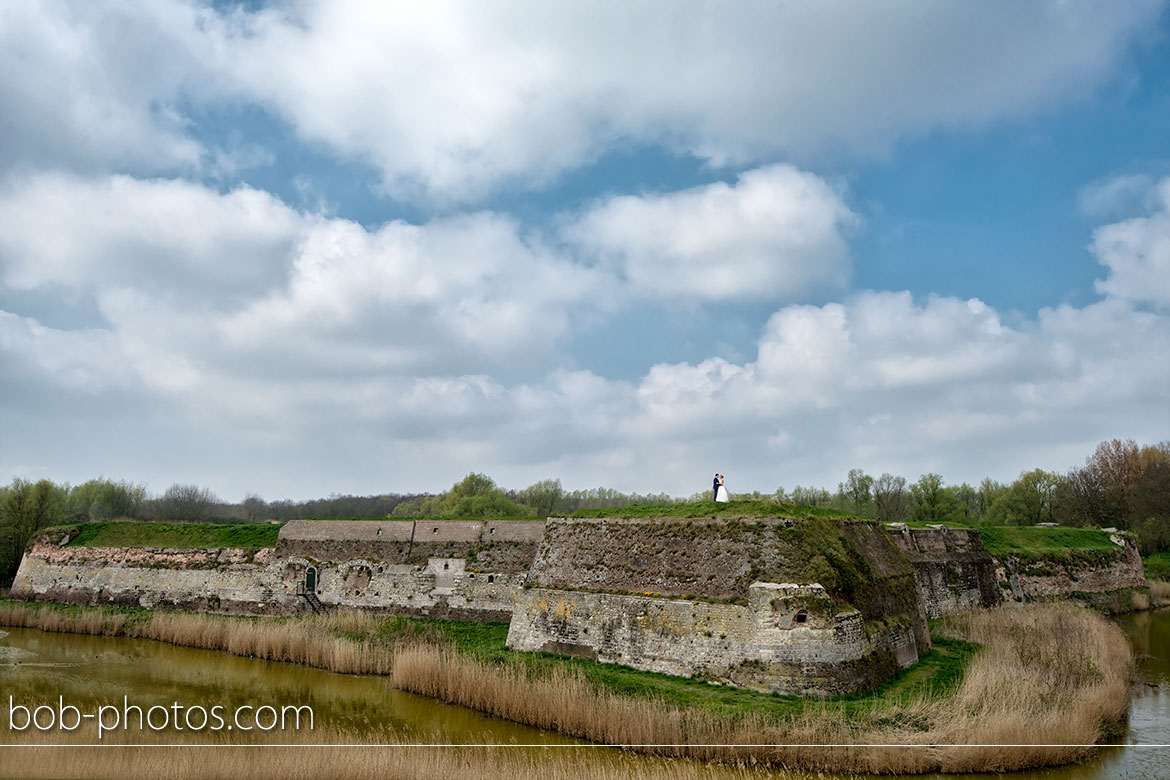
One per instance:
(249, 537)
(730, 510)
(1031, 543)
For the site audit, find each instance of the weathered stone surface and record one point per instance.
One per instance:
(493, 546)
(259, 582)
(775, 643)
(954, 570)
(845, 632)
(1091, 577)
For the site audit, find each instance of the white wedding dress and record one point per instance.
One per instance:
(721, 495)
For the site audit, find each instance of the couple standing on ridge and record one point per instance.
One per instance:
(720, 490)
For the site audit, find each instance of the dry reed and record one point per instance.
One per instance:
(206, 757)
(311, 641)
(1159, 593)
(1047, 675)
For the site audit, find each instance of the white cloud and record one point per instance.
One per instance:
(451, 100)
(94, 88)
(1115, 195)
(775, 234)
(398, 346)
(169, 237)
(1137, 253)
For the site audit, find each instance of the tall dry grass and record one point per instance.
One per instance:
(1159, 593)
(207, 757)
(312, 641)
(1047, 675)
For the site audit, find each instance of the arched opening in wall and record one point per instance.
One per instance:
(311, 579)
(491, 578)
(802, 616)
(446, 566)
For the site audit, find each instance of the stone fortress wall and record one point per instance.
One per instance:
(372, 565)
(734, 601)
(1106, 581)
(809, 606)
(954, 570)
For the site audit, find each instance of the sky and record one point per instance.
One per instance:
(302, 248)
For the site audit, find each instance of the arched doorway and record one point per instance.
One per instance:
(311, 579)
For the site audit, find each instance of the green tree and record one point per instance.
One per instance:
(857, 488)
(476, 495)
(931, 502)
(1027, 501)
(543, 496)
(27, 508)
(103, 499)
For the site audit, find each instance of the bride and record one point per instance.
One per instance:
(721, 491)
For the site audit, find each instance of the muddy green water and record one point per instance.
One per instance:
(86, 671)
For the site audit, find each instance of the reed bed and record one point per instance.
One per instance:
(1046, 676)
(316, 641)
(1159, 593)
(209, 758)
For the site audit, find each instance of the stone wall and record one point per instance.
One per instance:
(796, 606)
(219, 580)
(491, 546)
(269, 581)
(780, 641)
(954, 570)
(1102, 579)
(712, 559)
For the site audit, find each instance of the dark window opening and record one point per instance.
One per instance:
(446, 566)
(802, 617)
(491, 578)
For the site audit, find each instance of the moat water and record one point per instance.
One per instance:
(87, 671)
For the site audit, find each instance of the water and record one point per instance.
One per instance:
(38, 666)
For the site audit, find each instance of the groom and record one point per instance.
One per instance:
(715, 487)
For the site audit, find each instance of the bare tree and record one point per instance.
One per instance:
(891, 501)
(187, 503)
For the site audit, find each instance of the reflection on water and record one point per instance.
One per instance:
(86, 671)
(89, 671)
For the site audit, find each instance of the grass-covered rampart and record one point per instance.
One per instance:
(727, 511)
(1029, 543)
(180, 535)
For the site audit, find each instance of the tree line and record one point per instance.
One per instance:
(1121, 485)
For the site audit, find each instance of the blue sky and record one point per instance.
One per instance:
(303, 248)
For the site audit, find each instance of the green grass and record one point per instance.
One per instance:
(937, 673)
(730, 510)
(1157, 566)
(429, 519)
(250, 537)
(1031, 543)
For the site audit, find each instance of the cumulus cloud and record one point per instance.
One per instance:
(98, 88)
(453, 99)
(317, 335)
(775, 234)
(1137, 253)
(169, 237)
